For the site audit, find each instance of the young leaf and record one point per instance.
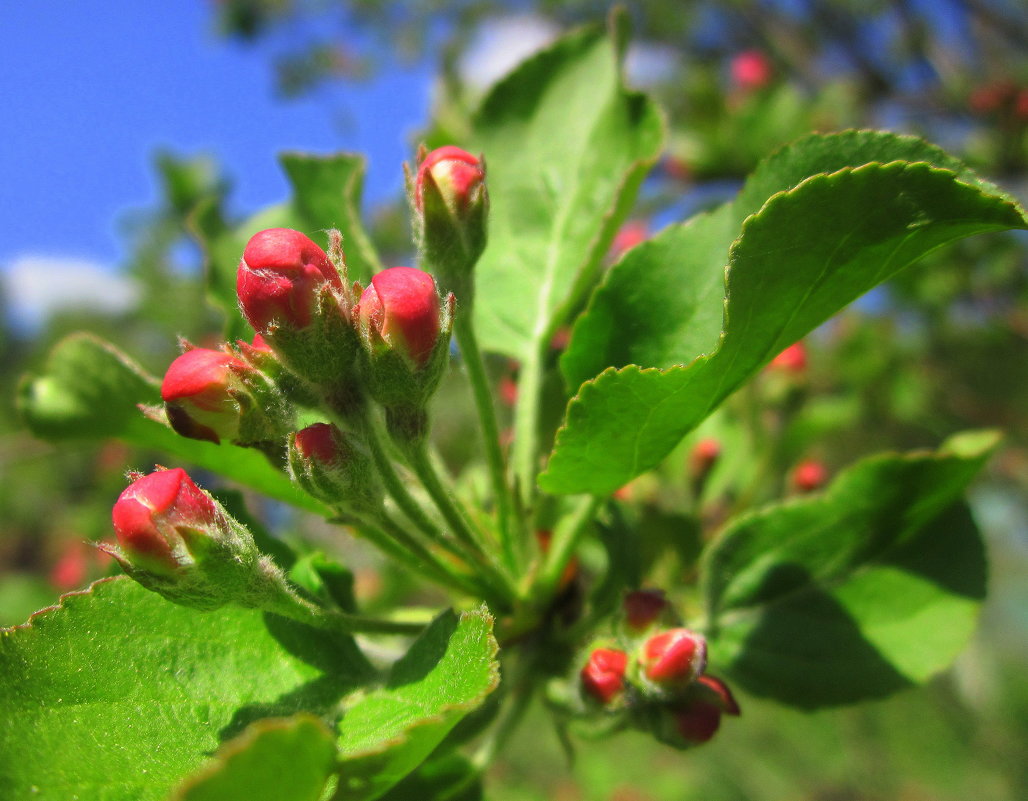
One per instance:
(88, 389)
(273, 760)
(326, 194)
(807, 253)
(118, 694)
(567, 148)
(448, 671)
(662, 304)
(871, 587)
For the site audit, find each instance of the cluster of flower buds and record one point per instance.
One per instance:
(450, 205)
(655, 677)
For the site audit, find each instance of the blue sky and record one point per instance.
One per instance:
(91, 88)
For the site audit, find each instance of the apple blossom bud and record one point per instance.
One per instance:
(751, 70)
(333, 467)
(399, 310)
(703, 457)
(603, 676)
(697, 723)
(791, 360)
(628, 236)
(714, 691)
(643, 608)
(458, 176)
(200, 391)
(450, 205)
(176, 540)
(809, 475)
(674, 658)
(280, 277)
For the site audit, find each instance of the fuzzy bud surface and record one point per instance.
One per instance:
(603, 676)
(674, 658)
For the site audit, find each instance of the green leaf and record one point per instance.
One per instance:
(450, 778)
(662, 304)
(326, 194)
(567, 148)
(118, 694)
(273, 760)
(88, 389)
(807, 253)
(871, 587)
(448, 672)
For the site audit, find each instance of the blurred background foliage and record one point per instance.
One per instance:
(941, 348)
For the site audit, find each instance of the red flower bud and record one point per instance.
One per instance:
(714, 691)
(456, 173)
(330, 465)
(318, 442)
(152, 514)
(628, 236)
(791, 360)
(198, 391)
(809, 476)
(703, 457)
(643, 608)
(697, 722)
(751, 70)
(674, 657)
(280, 277)
(603, 676)
(400, 310)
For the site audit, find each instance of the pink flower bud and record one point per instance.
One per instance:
(751, 70)
(703, 457)
(331, 466)
(152, 514)
(199, 394)
(400, 310)
(674, 657)
(629, 235)
(603, 676)
(791, 360)
(714, 691)
(697, 723)
(643, 608)
(280, 277)
(457, 174)
(809, 476)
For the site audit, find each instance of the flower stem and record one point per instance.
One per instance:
(472, 356)
(562, 547)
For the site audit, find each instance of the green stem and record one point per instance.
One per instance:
(272, 593)
(563, 545)
(526, 423)
(468, 343)
(504, 728)
(417, 457)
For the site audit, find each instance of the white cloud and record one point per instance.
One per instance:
(500, 44)
(37, 285)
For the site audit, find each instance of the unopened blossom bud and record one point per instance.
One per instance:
(334, 467)
(215, 395)
(603, 676)
(291, 293)
(703, 457)
(809, 475)
(697, 723)
(674, 658)
(694, 716)
(643, 608)
(176, 540)
(751, 70)
(712, 690)
(399, 310)
(280, 278)
(201, 392)
(450, 209)
(792, 360)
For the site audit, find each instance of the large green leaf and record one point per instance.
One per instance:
(326, 194)
(806, 254)
(662, 304)
(448, 672)
(856, 593)
(118, 694)
(88, 389)
(567, 148)
(289, 759)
